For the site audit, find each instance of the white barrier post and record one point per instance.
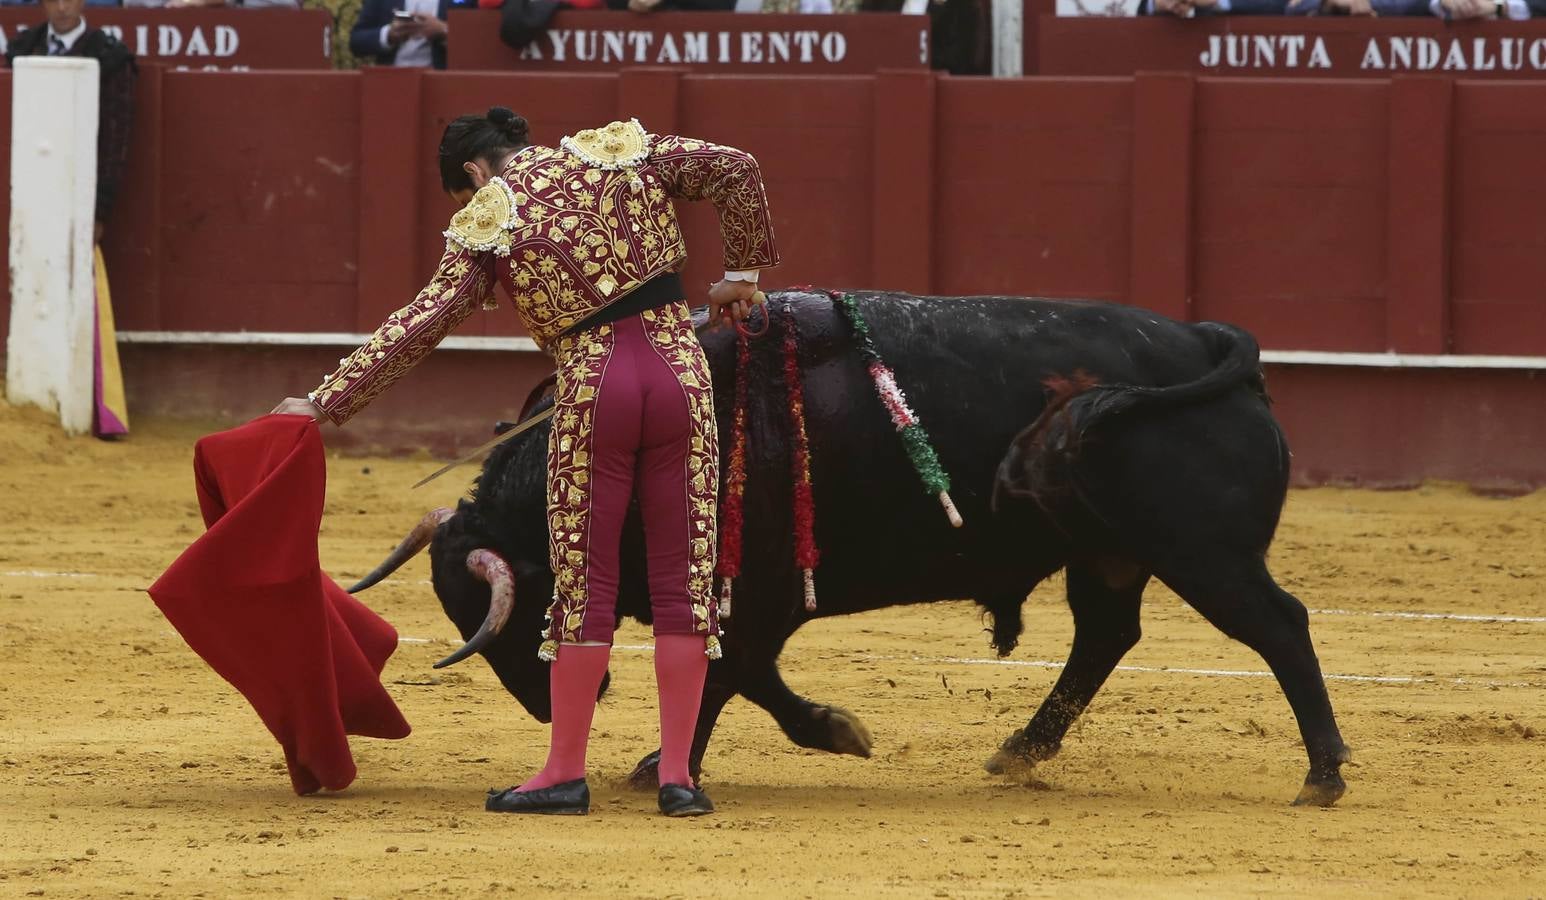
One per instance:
(1008, 38)
(53, 208)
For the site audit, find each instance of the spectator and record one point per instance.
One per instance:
(402, 32)
(522, 21)
(1480, 9)
(959, 31)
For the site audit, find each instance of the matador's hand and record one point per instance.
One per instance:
(731, 301)
(298, 406)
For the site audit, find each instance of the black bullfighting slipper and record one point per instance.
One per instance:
(572, 798)
(677, 801)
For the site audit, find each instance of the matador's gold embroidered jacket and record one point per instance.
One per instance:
(567, 231)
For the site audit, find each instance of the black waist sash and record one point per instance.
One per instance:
(656, 292)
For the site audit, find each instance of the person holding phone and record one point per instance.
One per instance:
(402, 33)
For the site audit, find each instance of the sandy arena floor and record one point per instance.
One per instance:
(127, 767)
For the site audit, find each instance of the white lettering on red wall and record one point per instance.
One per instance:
(590, 45)
(1385, 53)
(1265, 51)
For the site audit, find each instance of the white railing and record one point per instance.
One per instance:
(527, 345)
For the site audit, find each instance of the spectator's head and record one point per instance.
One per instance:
(472, 147)
(64, 15)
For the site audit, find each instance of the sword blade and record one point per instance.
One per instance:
(520, 429)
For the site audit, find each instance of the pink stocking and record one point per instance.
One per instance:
(680, 667)
(577, 675)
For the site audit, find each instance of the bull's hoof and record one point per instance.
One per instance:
(646, 775)
(1321, 792)
(846, 734)
(1019, 754)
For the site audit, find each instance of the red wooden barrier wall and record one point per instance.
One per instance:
(1322, 215)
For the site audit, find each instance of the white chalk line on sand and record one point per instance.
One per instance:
(1456, 617)
(1154, 670)
(1053, 664)
(1353, 613)
(1213, 673)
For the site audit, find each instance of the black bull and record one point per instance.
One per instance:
(1104, 440)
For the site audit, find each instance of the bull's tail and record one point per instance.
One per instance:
(416, 540)
(1040, 458)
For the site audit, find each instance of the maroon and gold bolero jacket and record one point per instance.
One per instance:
(567, 231)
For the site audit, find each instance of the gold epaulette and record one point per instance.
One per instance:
(619, 145)
(486, 222)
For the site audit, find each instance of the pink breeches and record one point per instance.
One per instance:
(634, 419)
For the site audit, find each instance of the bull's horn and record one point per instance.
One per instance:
(489, 567)
(416, 540)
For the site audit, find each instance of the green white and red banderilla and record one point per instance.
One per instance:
(914, 439)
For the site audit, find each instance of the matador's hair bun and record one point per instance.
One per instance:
(509, 124)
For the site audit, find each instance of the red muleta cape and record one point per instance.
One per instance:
(250, 598)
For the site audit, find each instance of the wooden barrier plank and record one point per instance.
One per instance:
(389, 210)
(653, 96)
(1289, 245)
(132, 242)
(1163, 166)
(813, 141)
(1497, 224)
(1418, 253)
(902, 194)
(1033, 195)
(260, 200)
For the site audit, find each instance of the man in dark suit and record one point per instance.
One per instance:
(402, 32)
(66, 34)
